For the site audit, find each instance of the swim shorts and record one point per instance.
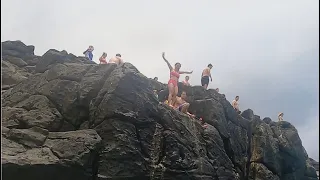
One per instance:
(205, 80)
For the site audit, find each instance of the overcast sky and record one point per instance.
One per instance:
(267, 52)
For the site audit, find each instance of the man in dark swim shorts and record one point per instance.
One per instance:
(205, 76)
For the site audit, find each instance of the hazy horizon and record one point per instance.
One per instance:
(267, 52)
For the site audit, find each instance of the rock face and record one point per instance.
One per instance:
(71, 119)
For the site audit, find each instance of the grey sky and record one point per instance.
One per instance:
(267, 52)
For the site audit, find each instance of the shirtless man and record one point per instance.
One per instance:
(205, 76)
(182, 105)
(116, 60)
(186, 81)
(235, 104)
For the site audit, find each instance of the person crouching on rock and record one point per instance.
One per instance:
(173, 81)
(88, 53)
(280, 116)
(182, 105)
(102, 59)
(116, 60)
(205, 76)
(235, 104)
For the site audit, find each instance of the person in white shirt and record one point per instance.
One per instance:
(235, 104)
(280, 116)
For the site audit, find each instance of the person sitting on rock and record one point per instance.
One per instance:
(186, 81)
(235, 104)
(102, 59)
(173, 81)
(280, 116)
(116, 60)
(182, 105)
(205, 76)
(88, 53)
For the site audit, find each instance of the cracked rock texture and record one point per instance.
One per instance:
(66, 118)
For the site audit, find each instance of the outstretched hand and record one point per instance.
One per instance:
(191, 72)
(163, 54)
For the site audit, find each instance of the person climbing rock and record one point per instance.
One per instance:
(205, 76)
(186, 81)
(116, 60)
(182, 105)
(280, 116)
(155, 78)
(173, 81)
(102, 59)
(88, 53)
(235, 104)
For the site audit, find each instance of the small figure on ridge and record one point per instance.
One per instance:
(205, 76)
(235, 104)
(116, 60)
(88, 53)
(186, 81)
(102, 59)
(280, 116)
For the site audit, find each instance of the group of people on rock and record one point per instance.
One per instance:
(103, 59)
(178, 103)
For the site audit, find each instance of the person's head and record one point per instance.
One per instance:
(91, 48)
(217, 89)
(183, 95)
(210, 66)
(187, 78)
(155, 78)
(104, 54)
(280, 114)
(237, 98)
(155, 91)
(118, 55)
(177, 66)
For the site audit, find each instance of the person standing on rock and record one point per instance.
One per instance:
(102, 59)
(116, 60)
(205, 76)
(280, 116)
(235, 104)
(88, 53)
(186, 81)
(173, 81)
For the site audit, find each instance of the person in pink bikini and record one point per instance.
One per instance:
(173, 81)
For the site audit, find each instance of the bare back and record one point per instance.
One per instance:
(206, 72)
(116, 60)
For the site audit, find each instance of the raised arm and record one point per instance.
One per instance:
(185, 72)
(165, 60)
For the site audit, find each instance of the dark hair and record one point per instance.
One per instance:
(187, 77)
(155, 78)
(237, 96)
(119, 55)
(177, 64)
(209, 65)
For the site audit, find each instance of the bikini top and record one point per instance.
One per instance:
(175, 74)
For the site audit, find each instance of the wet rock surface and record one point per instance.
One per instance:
(65, 117)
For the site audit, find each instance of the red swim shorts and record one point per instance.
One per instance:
(174, 82)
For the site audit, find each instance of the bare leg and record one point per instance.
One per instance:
(171, 92)
(185, 108)
(205, 86)
(174, 95)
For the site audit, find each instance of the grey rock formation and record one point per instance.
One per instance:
(72, 119)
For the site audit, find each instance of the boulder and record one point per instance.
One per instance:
(37, 154)
(127, 133)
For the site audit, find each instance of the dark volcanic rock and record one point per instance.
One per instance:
(140, 137)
